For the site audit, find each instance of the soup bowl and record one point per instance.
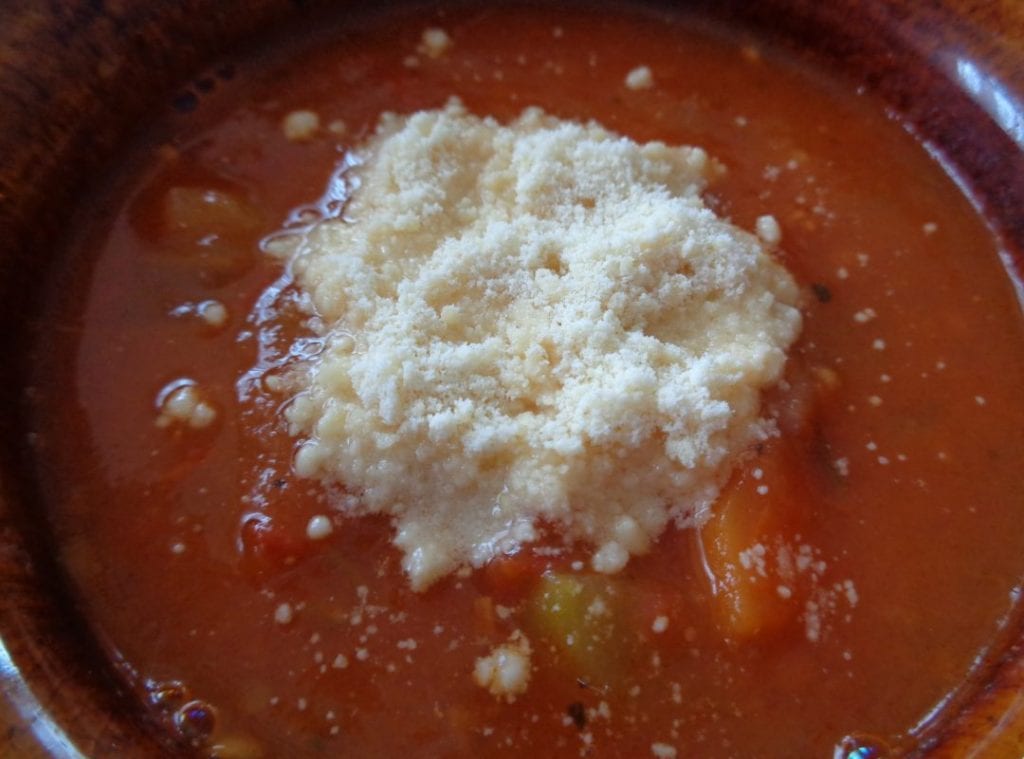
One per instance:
(76, 79)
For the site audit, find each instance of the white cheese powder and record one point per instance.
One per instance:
(640, 78)
(538, 321)
(505, 672)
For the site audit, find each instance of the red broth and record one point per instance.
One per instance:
(898, 467)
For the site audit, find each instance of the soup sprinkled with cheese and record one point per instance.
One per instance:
(583, 382)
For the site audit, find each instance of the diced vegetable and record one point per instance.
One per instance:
(579, 616)
(755, 525)
(751, 542)
(210, 232)
(204, 211)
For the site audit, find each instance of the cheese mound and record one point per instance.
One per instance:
(538, 323)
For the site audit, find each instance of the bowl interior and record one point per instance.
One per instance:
(952, 71)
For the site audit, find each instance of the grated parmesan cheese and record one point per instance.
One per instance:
(434, 42)
(181, 402)
(319, 527)
(640, 78)
(538, 320)
(768, 230)
(506, 671)
(300, 126)
(283, 614)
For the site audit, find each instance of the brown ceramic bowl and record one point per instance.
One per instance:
(76, 76)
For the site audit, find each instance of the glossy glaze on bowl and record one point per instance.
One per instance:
(77, 77)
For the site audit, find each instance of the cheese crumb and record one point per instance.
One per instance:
(660, 624)
(283, 614)
(640, 78)
(434, 43)
(506, 671)
(319, 527)
(534, 321)
(300, 126)
(663, 751)
(213, 313)
(182, 402)
(610, 558)
(768, 230)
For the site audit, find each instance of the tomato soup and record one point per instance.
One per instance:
(860, 570)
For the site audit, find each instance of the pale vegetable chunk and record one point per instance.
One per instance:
(579, 615)
(209, 231)
(206, 211)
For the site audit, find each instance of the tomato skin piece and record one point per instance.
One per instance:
(266, 546)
